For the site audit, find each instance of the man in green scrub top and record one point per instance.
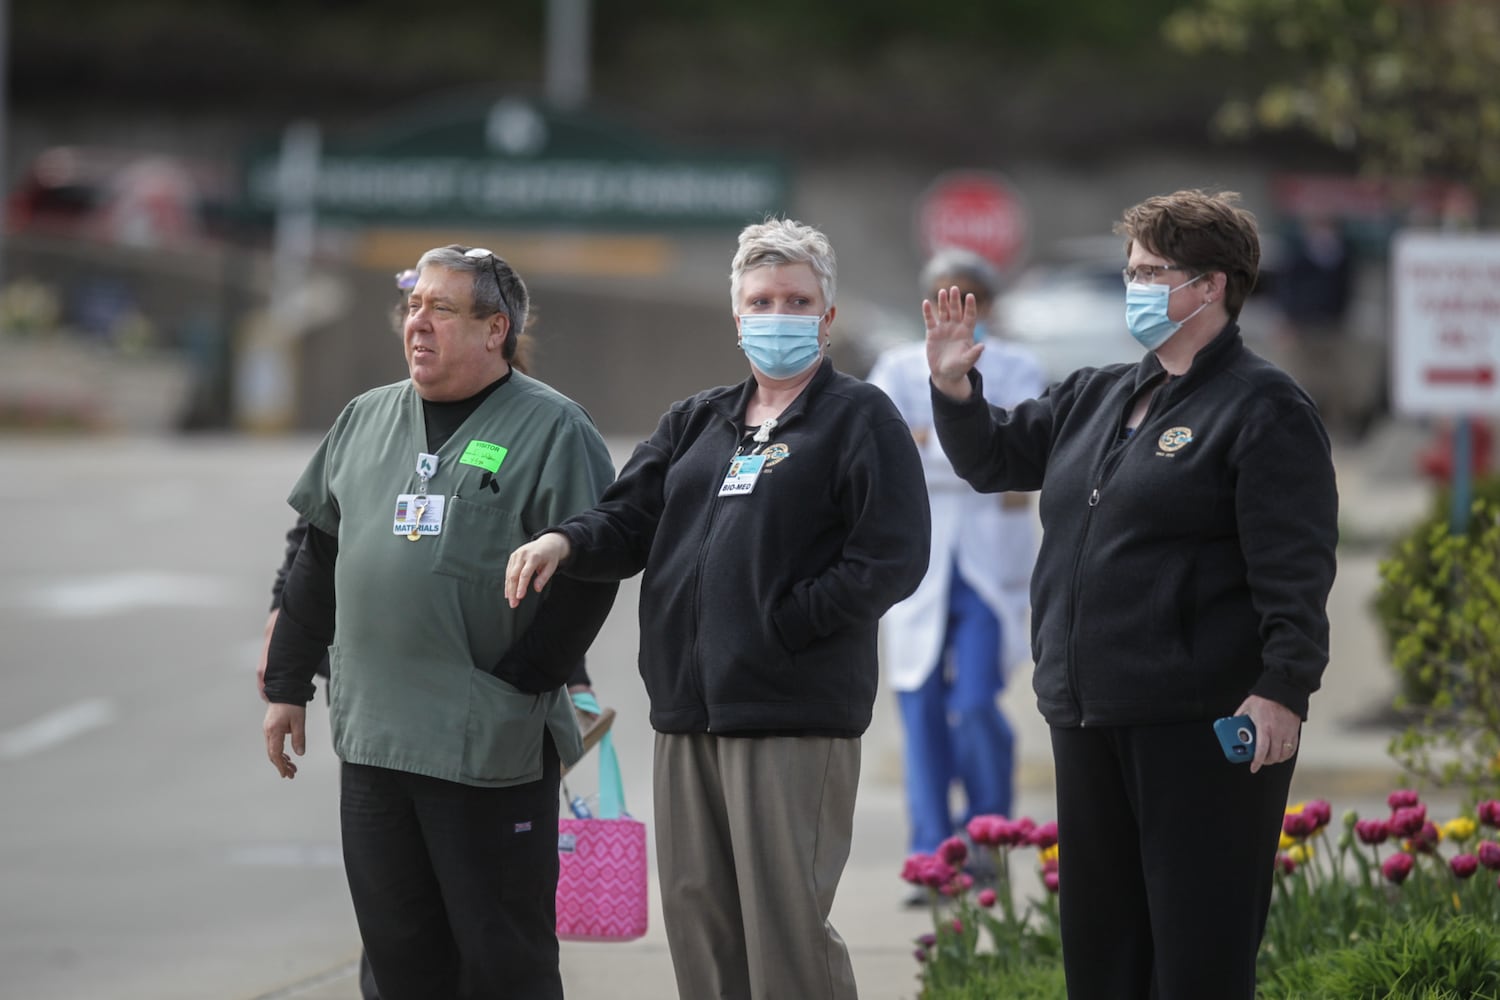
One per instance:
(448, 709)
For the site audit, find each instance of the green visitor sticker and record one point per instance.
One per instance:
(484, 455)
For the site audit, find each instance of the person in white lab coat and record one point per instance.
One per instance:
(948, 646)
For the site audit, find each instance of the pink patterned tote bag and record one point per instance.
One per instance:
(601, 884)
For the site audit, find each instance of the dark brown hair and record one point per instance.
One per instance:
(1202, 231)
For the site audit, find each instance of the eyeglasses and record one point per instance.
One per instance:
(1146, 273)
(480, 253)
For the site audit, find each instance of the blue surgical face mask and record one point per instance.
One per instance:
(1146, 312)
(780, 346)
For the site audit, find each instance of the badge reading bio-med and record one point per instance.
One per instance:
(418, 514)
(744, 470)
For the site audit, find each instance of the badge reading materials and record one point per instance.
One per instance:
(418, 515)
(744, 470)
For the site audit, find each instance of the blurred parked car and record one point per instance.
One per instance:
(120, 196)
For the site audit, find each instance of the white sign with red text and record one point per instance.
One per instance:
(1446, 323)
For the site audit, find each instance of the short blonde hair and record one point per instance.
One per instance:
(783, 241)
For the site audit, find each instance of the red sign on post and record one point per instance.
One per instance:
(975, 210)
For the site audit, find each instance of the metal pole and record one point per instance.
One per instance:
(4, 126)
(1463, 476)
(567, 69)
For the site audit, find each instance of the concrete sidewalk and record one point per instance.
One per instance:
(1343, 759)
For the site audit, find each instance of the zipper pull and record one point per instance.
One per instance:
(1094, 497)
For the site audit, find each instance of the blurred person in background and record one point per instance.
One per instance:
(1313, 293)
(1189, 521)
(776, 520)
(948, 646)
(449, 713)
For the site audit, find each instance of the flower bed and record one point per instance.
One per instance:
(1394, 906)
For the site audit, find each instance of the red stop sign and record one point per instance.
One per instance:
(975, 210)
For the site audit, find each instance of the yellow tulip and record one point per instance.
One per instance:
(1460, 829)
(1300, 853)
(1049, 854)
(1286, 842)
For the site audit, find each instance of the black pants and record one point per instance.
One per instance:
(1166, 855)
(454, 887)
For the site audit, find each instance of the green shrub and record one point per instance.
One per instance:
(1435, 957)
(1441, 595)
(1035, 981)
(1412, 564)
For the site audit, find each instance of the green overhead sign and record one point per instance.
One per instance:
(513, 163)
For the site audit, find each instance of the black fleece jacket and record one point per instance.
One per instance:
(1181, 567)
(758, 612)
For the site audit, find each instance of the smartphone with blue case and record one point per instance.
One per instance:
(1237, 736)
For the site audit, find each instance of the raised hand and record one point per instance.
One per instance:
(951, 350)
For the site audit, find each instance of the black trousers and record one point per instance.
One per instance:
(1166, 856)
(454, 887)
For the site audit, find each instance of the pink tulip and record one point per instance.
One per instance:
(958, 926)
(1049, 879)
(1489, 812)
(1407, 821)
(1489, 855)
(1050, 865)
(1299, 825)
(1320, 811)
(1402, 798)
(958, 885)
(1397, 867)
(1426, 839)
(1463, 865)
(919, 955)
(985, 830)
(1044, 836)
(953, 851)
(986, 898)
(925, 869)
(927, 940)
(1286, 864)
(1372, 831)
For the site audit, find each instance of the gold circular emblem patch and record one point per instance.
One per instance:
(776, 453)
(1175, 439)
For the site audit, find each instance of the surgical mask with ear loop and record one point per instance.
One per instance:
(780, 345)
(1146, 312)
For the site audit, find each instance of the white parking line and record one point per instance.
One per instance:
(56, 727)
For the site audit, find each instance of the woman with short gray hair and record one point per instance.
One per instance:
(776, 520)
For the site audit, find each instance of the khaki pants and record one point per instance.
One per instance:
(751, 838)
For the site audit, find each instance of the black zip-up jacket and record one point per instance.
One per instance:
(1181, 567)
(758, 612)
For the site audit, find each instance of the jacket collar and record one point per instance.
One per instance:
(732, 406)
(1214, 355)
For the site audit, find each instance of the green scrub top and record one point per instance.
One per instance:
(419, 624)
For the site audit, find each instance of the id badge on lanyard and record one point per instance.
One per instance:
(744, 470)
(419, 514)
